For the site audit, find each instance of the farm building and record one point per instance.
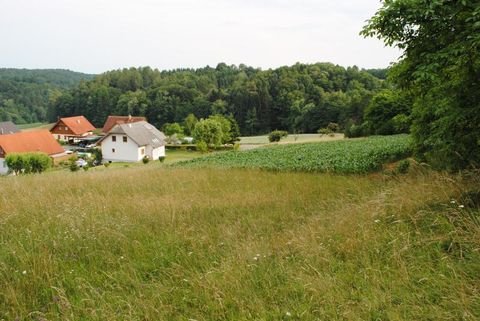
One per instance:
(28, 142)
(131, 142)
(116, 120)
(7, 127)
(72, 129)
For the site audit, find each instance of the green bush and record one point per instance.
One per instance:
(277, 135)
(202, 147)
(145, 159)
(352, 131)
(325, 131)
(333, 127)
(161, 159)
(25, 163)
(403, 166)
(74, 167)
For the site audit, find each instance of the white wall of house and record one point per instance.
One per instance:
(3, 167)
(120, 151)
(157, 152)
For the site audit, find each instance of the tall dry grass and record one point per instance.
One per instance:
(148, 243)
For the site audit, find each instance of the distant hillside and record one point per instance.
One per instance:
(26, 94)
(58, 77)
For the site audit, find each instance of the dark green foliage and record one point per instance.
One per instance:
(145, 159)
(161, 159)
(333, 127)
(26, 163)
(441, 69)
(25, 95)
(388, 113)
(300, 98)
(403, 166)
(277, 135)
(352, 130)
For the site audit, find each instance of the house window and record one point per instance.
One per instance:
(124, 139)
(114, 138)
(142, 151)
(113, 150)
(66, 128)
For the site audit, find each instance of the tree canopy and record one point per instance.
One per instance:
(25, 95)
(300, 98)
(440, 67)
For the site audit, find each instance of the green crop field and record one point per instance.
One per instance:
(344, 156)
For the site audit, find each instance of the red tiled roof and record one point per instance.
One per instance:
(77, 124)
(115, 120)
(31, 141)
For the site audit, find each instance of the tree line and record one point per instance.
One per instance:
(299, 98)
(26, 95)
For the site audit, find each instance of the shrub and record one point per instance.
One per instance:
(145, 159)
(73, 167)
(325, 131)
(236, 147)
(161, 159)
(277, 135)
(26, 163)
(202, 147)
(333, 127)
(403, 166)
(352, 131)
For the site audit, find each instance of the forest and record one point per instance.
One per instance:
(25, 95)
(301, 98)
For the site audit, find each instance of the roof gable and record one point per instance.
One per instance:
(142, 133)
(31, 141)
(116, 120)
(77, 124)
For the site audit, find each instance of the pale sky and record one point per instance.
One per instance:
(94, 36)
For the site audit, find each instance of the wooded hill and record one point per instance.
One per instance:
(300, 98)
(25, 95)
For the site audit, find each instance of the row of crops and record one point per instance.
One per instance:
(345, 156)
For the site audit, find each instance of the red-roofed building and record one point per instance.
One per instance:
(117, 120)
(72, 129)
(28, 142)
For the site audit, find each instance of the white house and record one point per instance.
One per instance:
(131, 142)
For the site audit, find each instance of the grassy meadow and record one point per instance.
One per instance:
(156, 243)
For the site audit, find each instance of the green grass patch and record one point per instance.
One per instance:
(343, 156)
